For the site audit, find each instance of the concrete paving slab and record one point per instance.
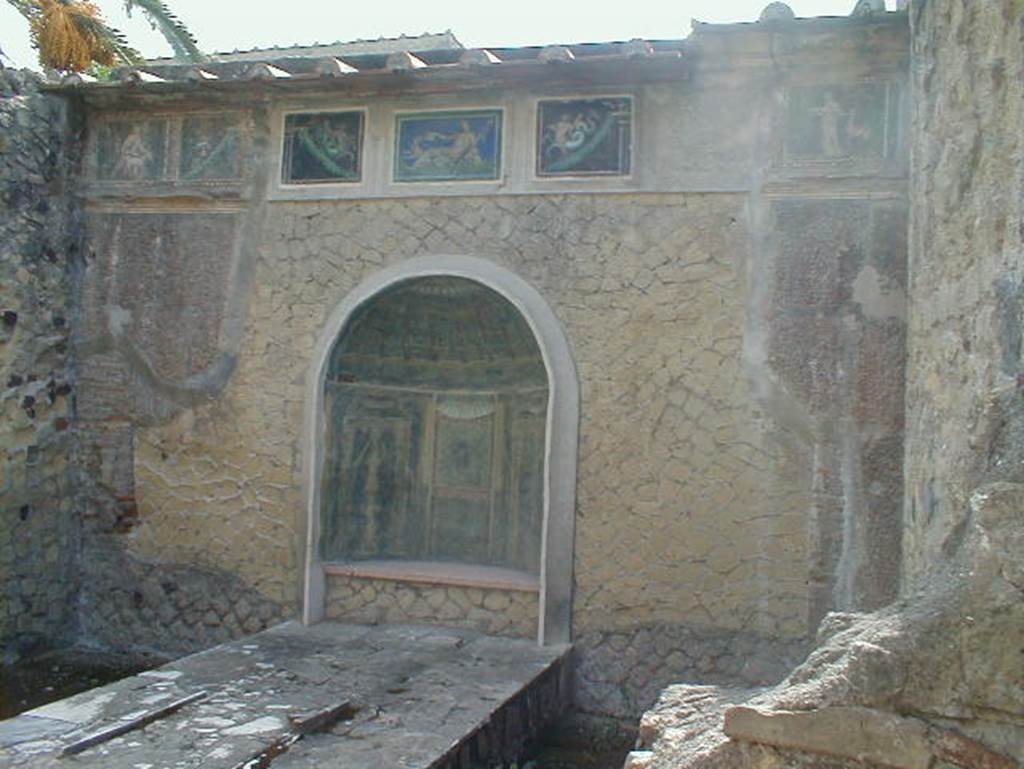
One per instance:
(29, 728)
(418, 697)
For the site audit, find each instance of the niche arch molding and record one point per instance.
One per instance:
(554, 625)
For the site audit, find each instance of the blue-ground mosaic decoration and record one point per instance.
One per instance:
(448, 146)
(322, 147)
(584, 137)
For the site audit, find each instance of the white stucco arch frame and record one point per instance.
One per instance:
(554, 624)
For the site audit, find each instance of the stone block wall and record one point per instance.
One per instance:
(489, 610)
(40, 242)
(589, 256)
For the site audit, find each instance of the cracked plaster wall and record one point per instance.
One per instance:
(630, 263)
(825, 354)
(692, 513)
(160, 299)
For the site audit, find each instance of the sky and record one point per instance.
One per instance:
(225, 25)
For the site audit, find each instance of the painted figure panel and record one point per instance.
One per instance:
(131, 150)
(322, 147)
(448, 146)
(209, 149)
(519, 507)
(464, 438)
(375, 453)
(371, 475)
(584, 137)
(841, 122)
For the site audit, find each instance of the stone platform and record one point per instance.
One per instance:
(295, 697)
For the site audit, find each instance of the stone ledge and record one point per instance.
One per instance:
(326, 695)
(861, 734)
(432, 573)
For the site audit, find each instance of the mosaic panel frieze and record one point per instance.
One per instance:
(841, 122)
(131, 150)
(196, 148)
(584, 137)
(209, 149)
(322, 147)
(448, 146)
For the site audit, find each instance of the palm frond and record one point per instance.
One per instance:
(162, 19)
(112, 38)
(27, 9)
(71, 35)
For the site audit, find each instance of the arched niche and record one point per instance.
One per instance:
(532, 372)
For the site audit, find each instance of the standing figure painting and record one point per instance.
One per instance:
(841, 123)
(133, 157)
(130, 150)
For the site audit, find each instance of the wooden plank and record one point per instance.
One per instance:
(302, 724)
(105, 735)
(321, 720)
(266, 756)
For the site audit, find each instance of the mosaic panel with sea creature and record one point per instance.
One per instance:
(322, 147)
(209, 149)
(584, 137)
(448, 146)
